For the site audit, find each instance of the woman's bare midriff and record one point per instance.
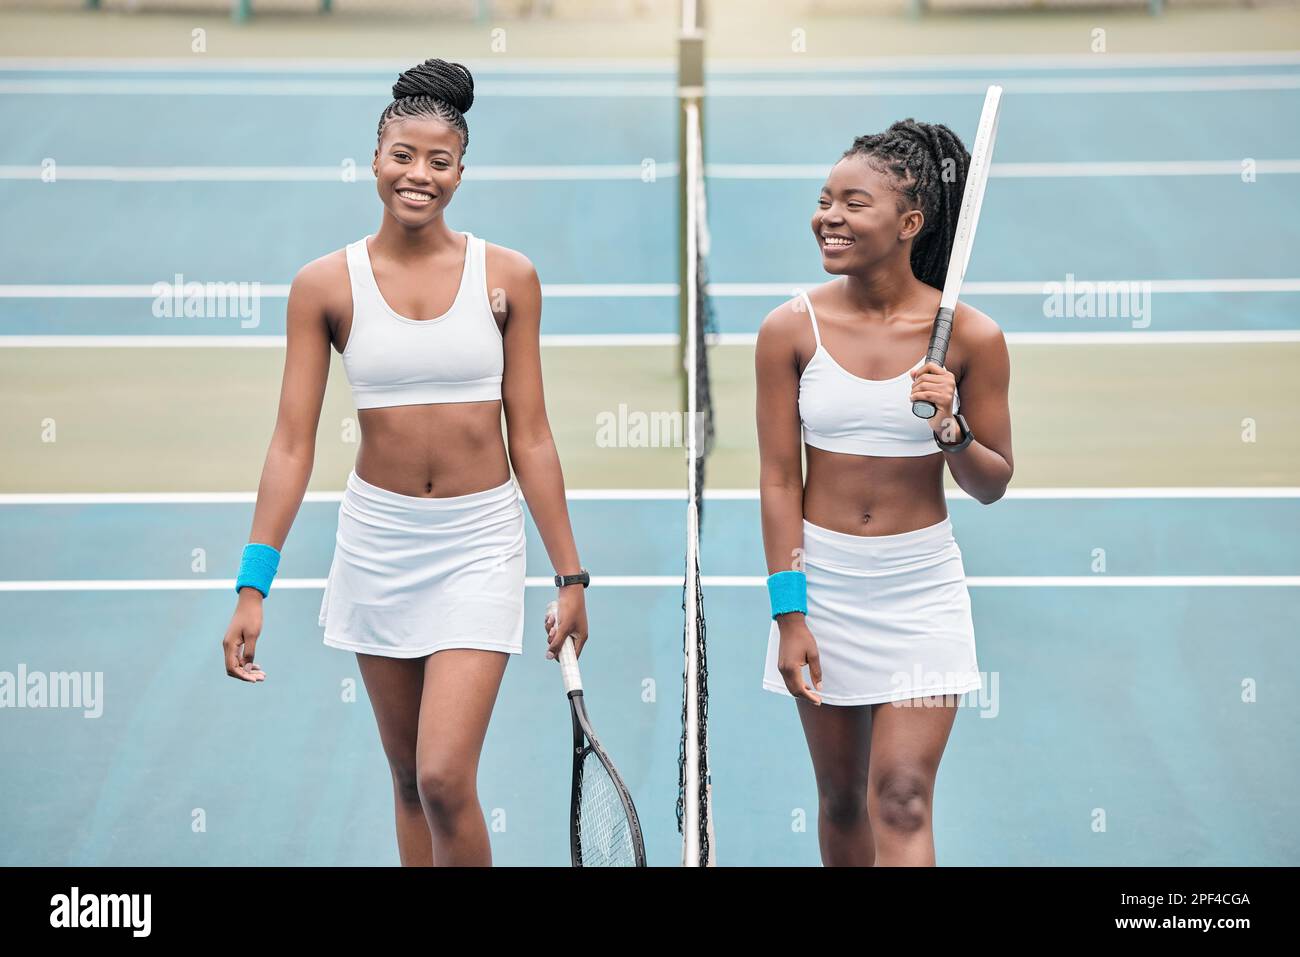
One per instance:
(867, 495)
(433, 451)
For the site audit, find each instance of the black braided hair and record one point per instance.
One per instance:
(929, 164)
(433, 88)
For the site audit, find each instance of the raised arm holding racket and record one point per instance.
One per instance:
(977, 175)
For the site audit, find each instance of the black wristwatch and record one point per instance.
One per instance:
(966, 439)
(582, 578)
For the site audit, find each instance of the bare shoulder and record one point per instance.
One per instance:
(509, 264)
(785, 325)
(975, 330)
(325, 279)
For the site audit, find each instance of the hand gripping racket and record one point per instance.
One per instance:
(972, 197)
(604, 830)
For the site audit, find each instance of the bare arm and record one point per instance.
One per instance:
(780, 481)
(289, 459)
(531, 445)
(983, 469)
(780, 487)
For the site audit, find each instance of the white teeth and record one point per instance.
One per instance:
(412, 194)
(836, 241)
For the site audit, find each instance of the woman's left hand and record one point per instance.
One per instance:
(937, 385)
(571, 610)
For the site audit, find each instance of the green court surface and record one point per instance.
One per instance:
(1149, 415)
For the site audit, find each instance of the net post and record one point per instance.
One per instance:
(694, 798)
(690, 90)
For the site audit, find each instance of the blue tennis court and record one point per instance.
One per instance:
(1134, 632)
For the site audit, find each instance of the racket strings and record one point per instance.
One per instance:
(604, 833)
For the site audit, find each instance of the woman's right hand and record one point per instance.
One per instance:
(798, 648)
(241, 637)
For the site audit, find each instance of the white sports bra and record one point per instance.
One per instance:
(392, 360)
(842, 412)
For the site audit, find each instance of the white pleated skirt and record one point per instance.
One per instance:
(413, 575)
(890, 614)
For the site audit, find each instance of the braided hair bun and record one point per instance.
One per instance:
(435, 88)
(450, 82)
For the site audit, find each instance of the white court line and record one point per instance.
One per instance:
(662, 89)
(724, 290)
(1013, 85)
(327, 174)
(1071, 581)
(222, 584)
(673, 581)
(377, 91)
(502, 64)
(798, 63)
(1135, 337)
(239, 498)
(794, 63)
(645, 290)
(614, 340)
(601, 340)
(631, 172)
(1099, 168)
(654, 494)
(1032, 287)
(1065, 493)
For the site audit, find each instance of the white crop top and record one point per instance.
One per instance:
(392, 360)
(842, 412)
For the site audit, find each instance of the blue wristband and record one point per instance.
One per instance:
(788, 591)
(257, 567)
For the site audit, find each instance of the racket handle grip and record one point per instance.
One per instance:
(568, 657)
(936, 353)
(569, 666)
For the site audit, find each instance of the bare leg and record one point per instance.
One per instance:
(839, 740)
(906, 744)
(460, 688)
(395, 686)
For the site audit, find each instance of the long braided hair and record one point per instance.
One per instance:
(433, 88)
(928, 163)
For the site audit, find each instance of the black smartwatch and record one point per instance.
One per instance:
(582, 578)
(966, 439)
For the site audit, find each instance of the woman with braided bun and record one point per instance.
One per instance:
(867, 586)
(439, 334)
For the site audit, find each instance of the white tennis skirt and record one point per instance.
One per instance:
(890, 615)
(413, 575)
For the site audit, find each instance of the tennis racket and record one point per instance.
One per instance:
(604, 830)
(972, 197)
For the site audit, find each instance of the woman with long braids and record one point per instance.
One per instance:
(438, 332)
(867, 587)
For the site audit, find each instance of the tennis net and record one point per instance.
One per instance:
(694, 793)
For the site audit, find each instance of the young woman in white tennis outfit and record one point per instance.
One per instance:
(439, 332)
(867, 584)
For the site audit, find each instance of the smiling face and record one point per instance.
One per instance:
(417, 168)
(861, 218)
